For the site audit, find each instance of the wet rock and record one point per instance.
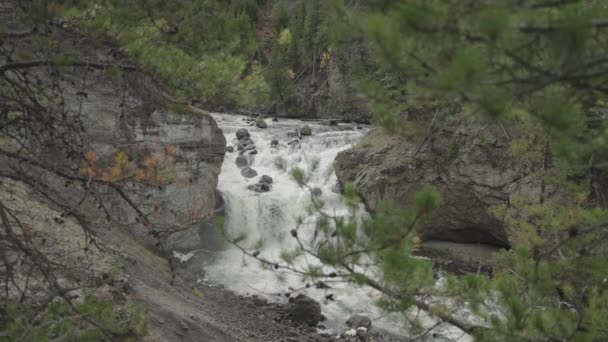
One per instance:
(305, 310)
(333, 122)
(274, 143)
(337, 188)
(260, 187)
(263, 185)
(259, 121)
(362, 333)
(359, 127)
(306, 130)
(229, 149)
(245, 142)
(317, 192)
(248, 172)
(253, 152)
(242, 161)
(242, 133)
(265, 179)
(275, 119)
(359, 321)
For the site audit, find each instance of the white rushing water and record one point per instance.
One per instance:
(269, 217)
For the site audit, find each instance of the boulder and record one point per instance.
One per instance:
(259, 121)
(248, 172)
(229, 149)
(242, 161)
(359, 321)
(242, 133)
(305, 310)
(265, 179)
(306, 130)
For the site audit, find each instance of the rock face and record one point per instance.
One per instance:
(465, 159)
(304, 310)
(141, 128)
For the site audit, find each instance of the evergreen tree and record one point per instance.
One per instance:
(534, 66)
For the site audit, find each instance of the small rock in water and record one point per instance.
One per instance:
(274, 143)
(246, 142)
(229, 149)
(304, 309)
(242, 133)
(259, 187)
(253, 152)
(275, 119)
(260, 122)
(265, 179)
(306, 130)
(241, 161)
(359, 321)
(248, 172)
(317, 192)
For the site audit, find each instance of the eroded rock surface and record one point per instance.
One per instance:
(466, 159)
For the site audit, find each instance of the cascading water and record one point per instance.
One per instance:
(268, 217)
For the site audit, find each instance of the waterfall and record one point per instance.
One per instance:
(268, 217)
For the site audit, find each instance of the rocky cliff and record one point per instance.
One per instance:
(466, 158)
